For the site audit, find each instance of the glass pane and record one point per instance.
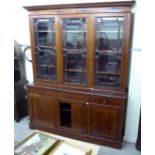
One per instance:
(45, 48)
(74, 50)
(108, 50)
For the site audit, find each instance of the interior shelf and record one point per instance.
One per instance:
(109, 73)
(107, 52)
(44, 65)
(45, 46)
(110, 31)
(74, 70)
(75, 51)
(75, 31)
(47, 76)
(44, 31)
(66, 110)
(98, 72)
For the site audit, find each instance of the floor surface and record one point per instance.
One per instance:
(21, 129)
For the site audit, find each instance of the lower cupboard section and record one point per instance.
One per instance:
(93, 122)
(104, 121)
(42, 110)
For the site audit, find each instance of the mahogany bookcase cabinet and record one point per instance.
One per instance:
(80, 56)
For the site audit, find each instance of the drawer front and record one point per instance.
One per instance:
(58, 94)
(109, 101)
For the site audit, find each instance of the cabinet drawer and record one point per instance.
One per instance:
(114, 102)
(58, 94)
(71, 96)
(106, 100)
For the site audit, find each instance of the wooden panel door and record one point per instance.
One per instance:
(105, 121)
(42, 110)
(71, 116)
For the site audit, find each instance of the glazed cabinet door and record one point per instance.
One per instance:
(105, 121)
(71, 116)
(42, 110)
(44, 48)
(74, 41)
(109, 50)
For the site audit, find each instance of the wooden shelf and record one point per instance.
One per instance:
(74, 70)
(45, 65)
(65, 110)
(110, 31)
(75, 49)
(107, 83)
(107, 52)
(99, 72)
(107, 73)
(47, 76)
(44, 46)
(73, 61)
(75, 31)
(83, 52)
(44, 31)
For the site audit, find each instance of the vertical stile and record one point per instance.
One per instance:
(59, 49)
(90, 45)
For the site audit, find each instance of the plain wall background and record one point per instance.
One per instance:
(21, 34)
